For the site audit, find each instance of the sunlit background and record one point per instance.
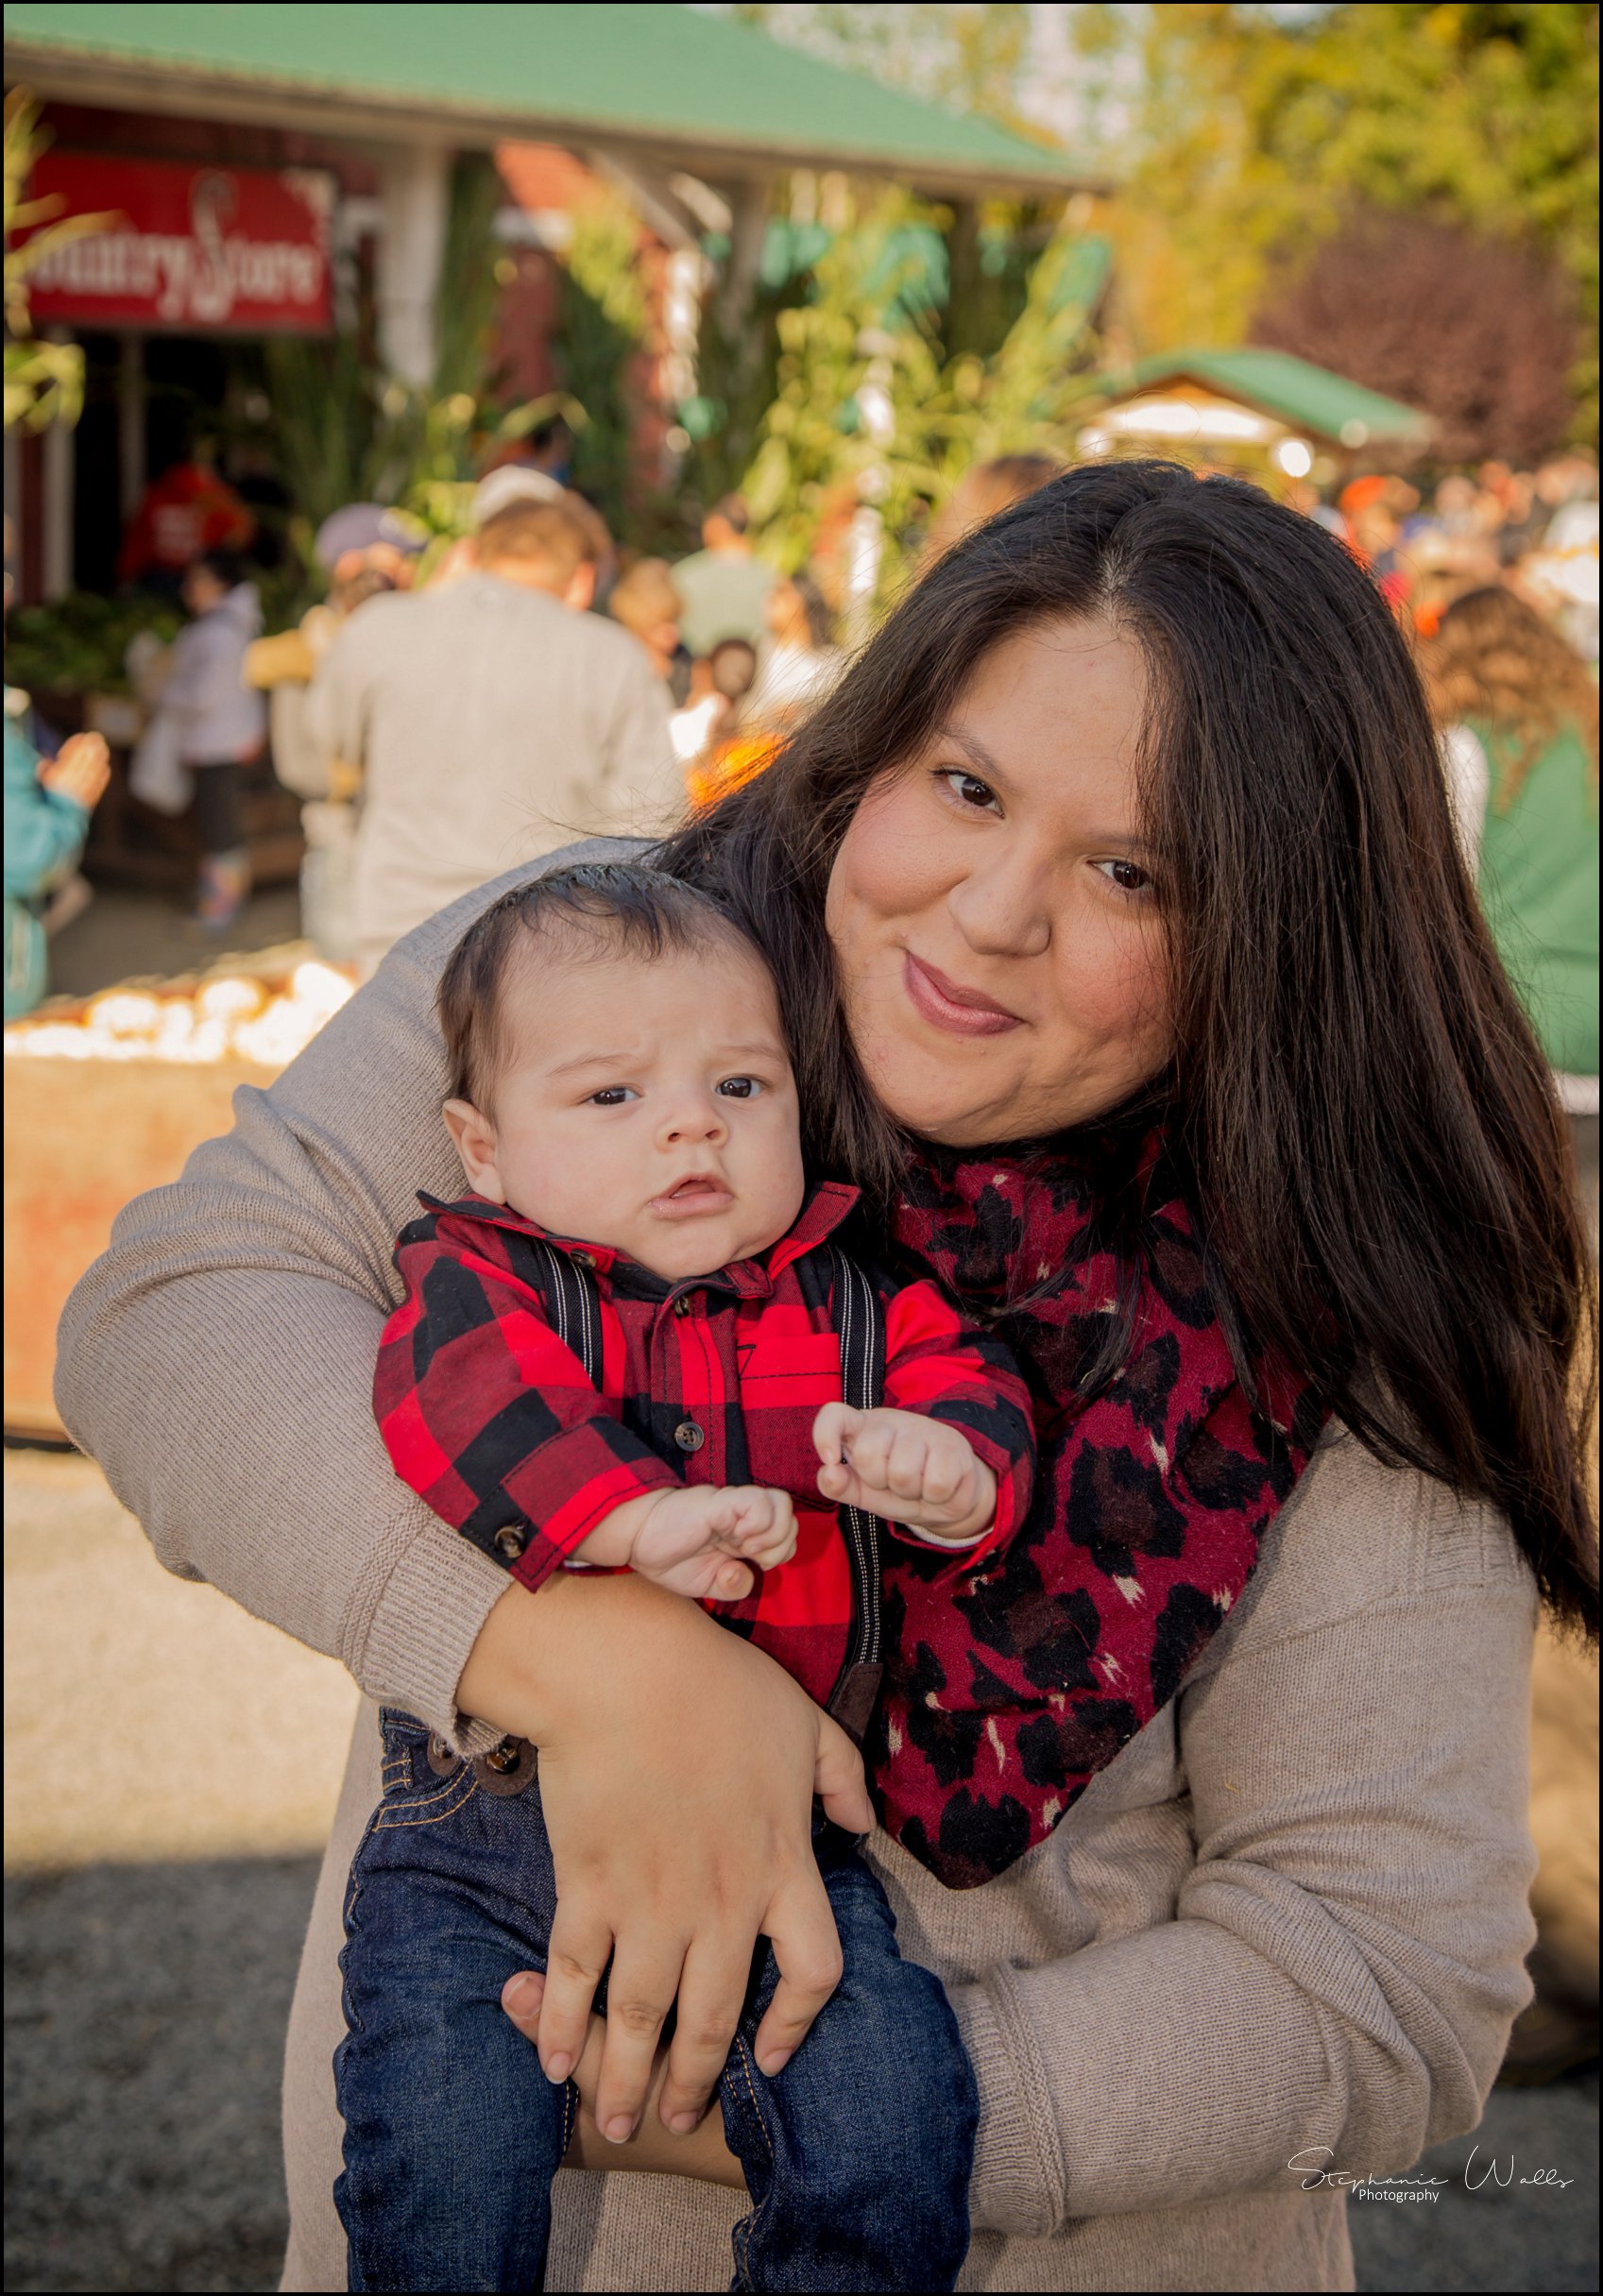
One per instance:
(299, 280)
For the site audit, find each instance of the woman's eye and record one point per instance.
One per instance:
(739, 1088)
(1127, 875)
(969, 790)
(611, 1096)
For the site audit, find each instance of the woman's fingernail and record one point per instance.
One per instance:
(558, 2068)
(619, 2131)
(775, 2062)
(681, 2123)
(515, 1992)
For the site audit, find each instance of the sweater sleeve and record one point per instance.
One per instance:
(952, 1370)
(217, 1359)
(1346, 1955)
(44, 830)
(488, 1416)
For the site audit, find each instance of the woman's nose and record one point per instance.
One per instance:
(1004, 911)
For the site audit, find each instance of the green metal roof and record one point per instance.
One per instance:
(1309, 397)
(684, 84)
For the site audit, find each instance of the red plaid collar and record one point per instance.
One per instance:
(825, 1206)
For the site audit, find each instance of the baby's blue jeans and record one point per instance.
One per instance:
(857, 2153)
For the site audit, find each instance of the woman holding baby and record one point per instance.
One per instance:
(1126, 966)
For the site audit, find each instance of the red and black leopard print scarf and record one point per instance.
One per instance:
(1002, 1700)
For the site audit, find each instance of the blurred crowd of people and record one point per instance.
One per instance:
(448, 712)
(526, 684)
(1533, 531)
(1496, 573)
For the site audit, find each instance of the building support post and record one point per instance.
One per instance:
(16, 537)
(411, 249)
(748, 228)
(130, 423)
(963, 329)
(735, 310)
(56, 522)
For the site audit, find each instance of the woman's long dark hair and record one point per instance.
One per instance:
(1361, 1113)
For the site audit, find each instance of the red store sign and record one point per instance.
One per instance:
(195, 250)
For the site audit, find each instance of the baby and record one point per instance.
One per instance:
(637, 1343)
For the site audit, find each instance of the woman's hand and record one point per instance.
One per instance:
(677, 1767)
(703, 2154)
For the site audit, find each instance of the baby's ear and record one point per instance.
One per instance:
(474, 1136)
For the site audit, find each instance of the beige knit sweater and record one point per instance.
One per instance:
(1290, 1915)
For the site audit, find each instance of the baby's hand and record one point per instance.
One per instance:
(699, 1540)
(906, 1468)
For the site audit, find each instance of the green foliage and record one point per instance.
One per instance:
(737, 368)
(1256, 134)
(330, 429)
(963, 319)
(43, 381)
(345, 433)
(468, 304)
(77, 643)
(814, 449)
(849, 354)
(1028, 391)
(440, 446)
(602, 324)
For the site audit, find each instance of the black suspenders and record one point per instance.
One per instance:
(576, 1313)
(574, 1304)
(861, 1326)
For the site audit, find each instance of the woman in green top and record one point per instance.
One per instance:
(1519, 713)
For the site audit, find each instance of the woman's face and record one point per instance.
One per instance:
(1000, 943)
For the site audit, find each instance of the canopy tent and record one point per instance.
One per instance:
(663, 85)
(1256, 398)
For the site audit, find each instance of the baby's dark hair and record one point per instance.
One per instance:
(605, 908)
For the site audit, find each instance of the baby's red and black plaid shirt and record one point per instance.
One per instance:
(713, 1379)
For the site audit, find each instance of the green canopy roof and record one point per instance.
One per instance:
(698, 91)
(1308, 398)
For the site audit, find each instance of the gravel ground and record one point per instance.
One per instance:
(145, 2016)
(103, 1650)
(125, 933)
(154, 1906)
(154, 1913)
(1490, 2229)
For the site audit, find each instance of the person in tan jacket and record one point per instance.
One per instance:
(492, 717)
(1127, 827)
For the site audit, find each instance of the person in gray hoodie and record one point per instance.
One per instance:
(217, 723)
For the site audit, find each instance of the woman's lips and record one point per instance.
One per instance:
(960, 1012)
(693, 1199)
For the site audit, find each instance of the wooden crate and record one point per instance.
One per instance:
(82, 1138)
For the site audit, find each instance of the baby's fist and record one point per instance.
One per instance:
(906, 1468)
